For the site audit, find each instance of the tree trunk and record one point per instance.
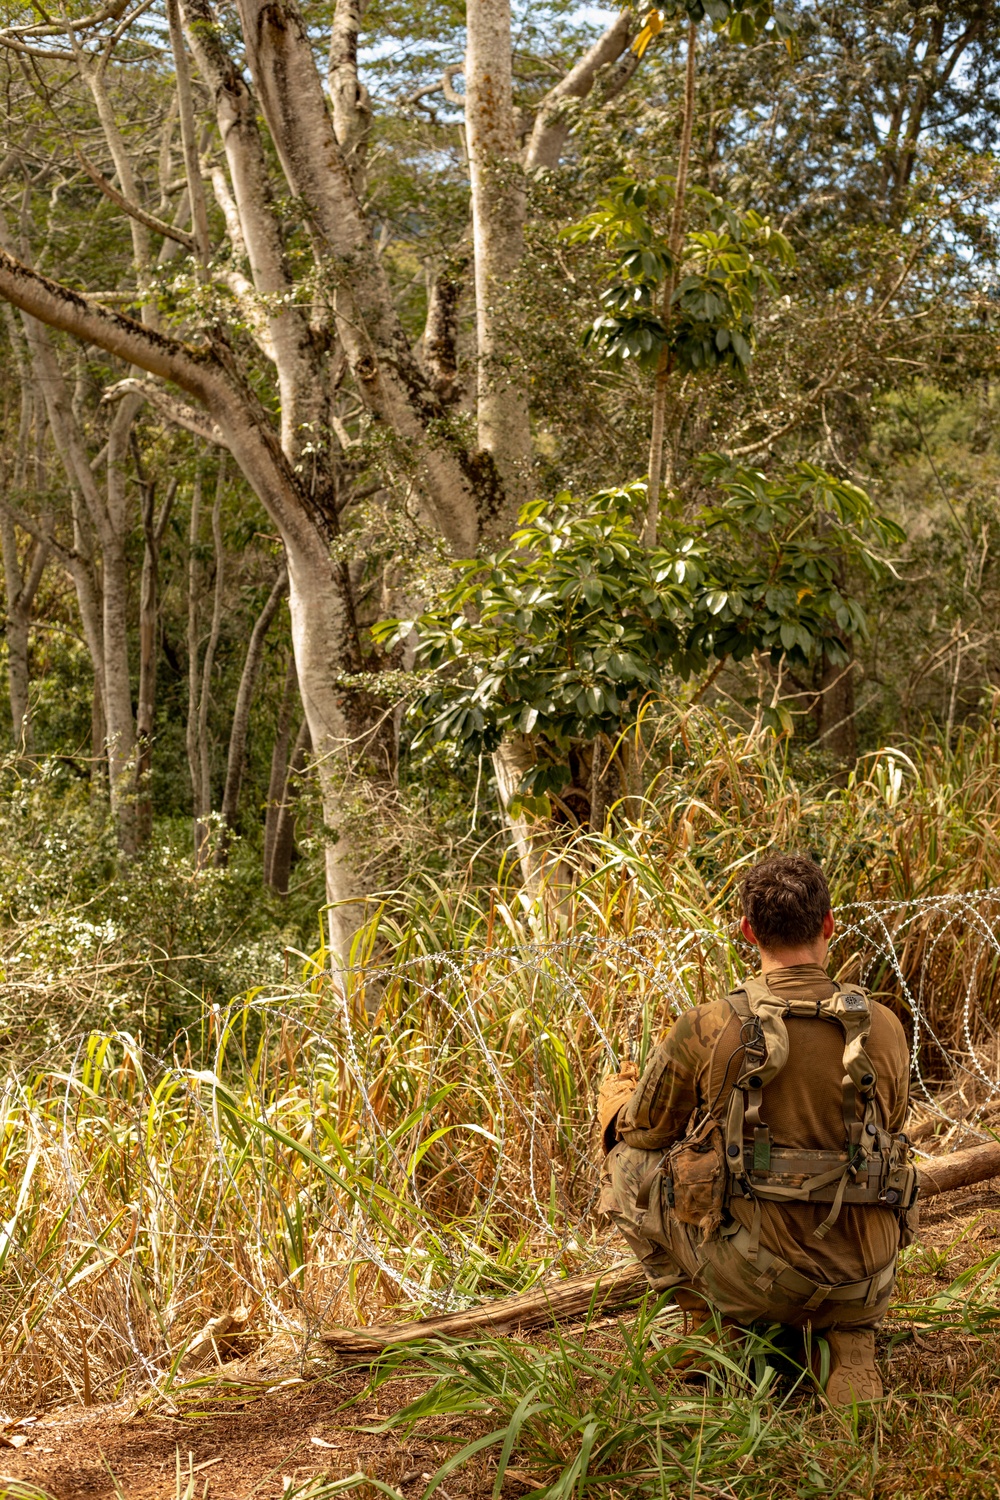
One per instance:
(283, 848)
(600, 774)
(98, 755)
(146, 708)
(153, 528)
(239, 732)
(200, 667)
(20, 590)
(955, 1169)
(112, 526)
(556, 1302)
(498, 210)
(18, 679)
(661, 390)
(350, 737)
(199, 800)
(88, 598)
(208, 665)
(279, 764)
(189, 144)
(514, 757)
(440, 341)
(836, 708)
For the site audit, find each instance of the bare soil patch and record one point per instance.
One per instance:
(263, 1425)
(235, 1448)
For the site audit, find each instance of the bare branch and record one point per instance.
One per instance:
(113, 11)
(448, 88)
(169, 407)
(26, 51)
(852, 352)
(45, 539)
(26, 597)
(551, 127)
(158, 226)
(123, 26)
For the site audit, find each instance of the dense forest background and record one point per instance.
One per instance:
(471, 480)
(360, 284)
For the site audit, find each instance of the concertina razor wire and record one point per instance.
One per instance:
(427, 1121)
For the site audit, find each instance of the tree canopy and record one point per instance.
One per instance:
(350, 302)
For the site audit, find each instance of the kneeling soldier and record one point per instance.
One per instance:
(758, 1165)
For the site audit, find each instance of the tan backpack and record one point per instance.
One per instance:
(715, 1163)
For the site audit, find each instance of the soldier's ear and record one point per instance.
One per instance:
(829, 924)
(748, 932)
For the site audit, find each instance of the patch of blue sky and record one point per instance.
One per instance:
(394, 65)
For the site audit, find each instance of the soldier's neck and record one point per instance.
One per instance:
(786, 958)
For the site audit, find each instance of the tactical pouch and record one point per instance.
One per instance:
(909, 1211)
(690, 1183)
(909, 1223)
(902, 1189)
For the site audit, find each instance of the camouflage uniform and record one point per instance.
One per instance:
(692, 1071)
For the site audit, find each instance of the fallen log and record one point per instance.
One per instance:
(940, 1174)
(608, 1291)
(557, 1302)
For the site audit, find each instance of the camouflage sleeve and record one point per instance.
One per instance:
(670, 1088)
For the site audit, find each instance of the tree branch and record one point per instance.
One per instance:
(448, 89)
(189, 144)
(241, 712)
(29, 588)
(46, 541)
(113, 11)
(245, 426)
(551, 125)
(73, 313)
(851, 351)
(158, 226)
(168, 407)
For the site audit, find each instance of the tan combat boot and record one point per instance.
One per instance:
(853, 1373)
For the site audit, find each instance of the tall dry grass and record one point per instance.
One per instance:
(418, 1132)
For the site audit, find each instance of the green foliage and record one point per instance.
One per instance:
(745, 21)
(604, 1412)
(719, 277)
(599, 1410)
(565, 633)
(87, 938)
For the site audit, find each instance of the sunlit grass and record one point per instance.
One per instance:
(417, 1134)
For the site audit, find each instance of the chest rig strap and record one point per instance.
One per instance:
(759, 1170)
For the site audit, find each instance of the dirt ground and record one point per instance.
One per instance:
(234, 1449)
(264, 1429)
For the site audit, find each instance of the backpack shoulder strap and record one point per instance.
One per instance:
(764, 1055)
(738, 1000)
(766, 1060)
(852, 1008)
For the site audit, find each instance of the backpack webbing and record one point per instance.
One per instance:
(873, 1167)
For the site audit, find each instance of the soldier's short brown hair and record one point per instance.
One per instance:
(785, 899)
